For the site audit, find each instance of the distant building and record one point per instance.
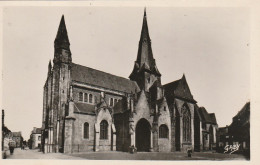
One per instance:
(205, 127)
(35, 138)
(238, 132)
(17, 137)
(6, 133)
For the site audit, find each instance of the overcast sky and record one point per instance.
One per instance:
(209, 45)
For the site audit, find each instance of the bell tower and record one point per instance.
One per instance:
(145, 71)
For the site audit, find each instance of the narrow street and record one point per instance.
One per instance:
(35, 154)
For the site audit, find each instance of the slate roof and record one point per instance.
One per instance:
(172, 85)
(17, 134)
(84, 108)
(177, 89)
(206, 117)
(213, 118)
(98, 78)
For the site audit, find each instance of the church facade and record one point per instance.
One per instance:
(89, 110)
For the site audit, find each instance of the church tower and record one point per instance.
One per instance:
(145, 71)
(60, 84)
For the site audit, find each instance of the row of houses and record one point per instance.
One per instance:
(8, 135)
(35, 139)
(237, 134)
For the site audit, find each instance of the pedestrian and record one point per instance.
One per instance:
(189, 151)
(11, 148)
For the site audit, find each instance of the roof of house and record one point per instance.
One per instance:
(84, 108)
(91, 76)
(17, 133)
(213, 118)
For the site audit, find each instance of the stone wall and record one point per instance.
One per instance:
(164, 143)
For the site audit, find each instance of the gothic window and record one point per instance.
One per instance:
(163, 131)
(85, 97)
(103, 129)
(111, 103)
(186, 119)
(86, 130)
(90, 98)
(80, 96)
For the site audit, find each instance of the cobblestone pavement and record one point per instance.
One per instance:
(35, 154)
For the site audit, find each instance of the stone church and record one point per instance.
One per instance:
(90, 110)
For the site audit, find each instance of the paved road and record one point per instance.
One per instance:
(35, 154)
(158, 156)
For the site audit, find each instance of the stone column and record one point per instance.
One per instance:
(201, 137)
(151, 141)
(114, 137)
(46, 145)
(181, 134)
(57, 134)
(96, 137)
(154, 135)
(192, 133)
(51, 139)
(68, 140)
(132, 132)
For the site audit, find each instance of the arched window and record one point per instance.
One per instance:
(90, 98)
(103, 129)
(186, 120)
(163, 131)
(80, 96)
(86, 130)
(111, 103)
(85, 97)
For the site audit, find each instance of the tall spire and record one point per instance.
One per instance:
(145, 60)
(62, 39)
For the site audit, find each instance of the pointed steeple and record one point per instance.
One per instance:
(62, 45)
(145, 60)
(62, 39)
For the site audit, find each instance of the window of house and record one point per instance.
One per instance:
(80, 96)
(186, 124)
(163, 131)
(90, 98)
(103, 129)
(164, 108)
(111, 103)
(85, 97)
(95, 99)
(86, 130)
(39, 138)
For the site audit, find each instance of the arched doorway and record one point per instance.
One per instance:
(143, 135)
